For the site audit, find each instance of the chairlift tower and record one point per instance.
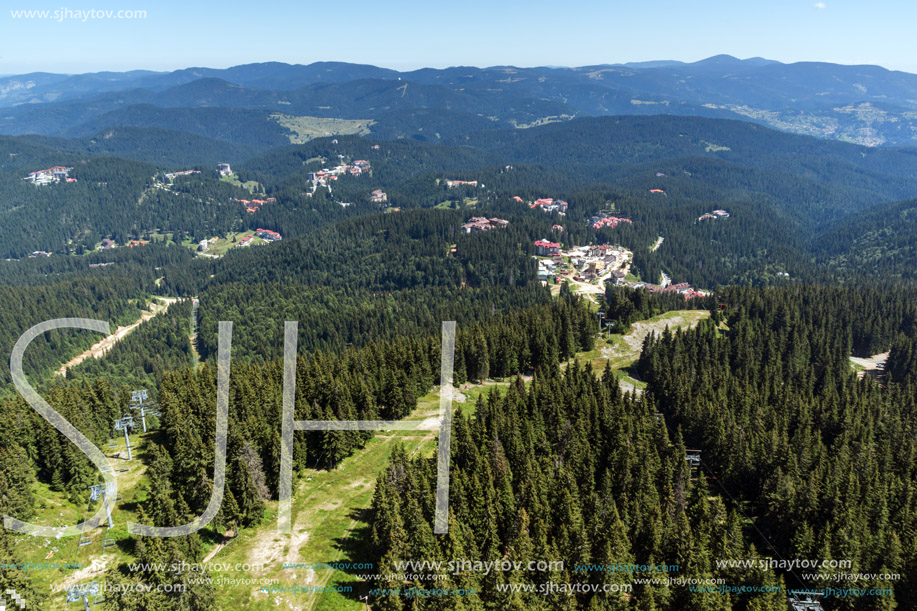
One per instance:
(693, 458)
(104, 492)
(806, 601)
(140, 401)
(122, 424)
(84, 592)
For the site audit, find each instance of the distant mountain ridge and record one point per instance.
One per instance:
(867, 105)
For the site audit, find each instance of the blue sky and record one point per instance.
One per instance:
(411, 34)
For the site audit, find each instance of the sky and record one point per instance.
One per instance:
(409, 34)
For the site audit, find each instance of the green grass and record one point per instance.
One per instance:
(231, 240)
(469, 202)
(330, 509)
(306, 128)
(250, 185)
(55, 509)
(622, 351)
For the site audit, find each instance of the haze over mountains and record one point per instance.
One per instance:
(256, 104)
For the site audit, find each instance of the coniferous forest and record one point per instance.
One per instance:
(718, 415)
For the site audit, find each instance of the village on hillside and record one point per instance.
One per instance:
(108, 244)
(325, 176)
(217, 246)
(172, 175)
(56, 173)
(603, 219)
(590, 268)
(254, 205)
(546, 204)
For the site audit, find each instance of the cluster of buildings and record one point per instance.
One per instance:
(359, 167)
(600, 262)
(108, 244)
(461, 183)
(602, 250)
(596, 262)
(611, 222)
(253, 205)
(57, 173)
(683, 288)
(716, 214)
(39, 253)
(265, 234)
(171, 175)
(547, 270)
(378, 196)
(323, 177)
(604, 263)
(550, 205)
(477, 224)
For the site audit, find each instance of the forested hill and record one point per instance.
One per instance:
(164, 147)
(662, 172)
(879, 242)
(786, 166)
(799, 460)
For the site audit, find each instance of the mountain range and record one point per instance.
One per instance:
(268, 104)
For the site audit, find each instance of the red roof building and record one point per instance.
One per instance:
(267, 234)
(544, 248)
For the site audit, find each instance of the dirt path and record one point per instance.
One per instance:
(226, 540)
(639, 330)
(195, 303)
(587, 290)
(328, 507)
(100, 348)
(621, 351)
